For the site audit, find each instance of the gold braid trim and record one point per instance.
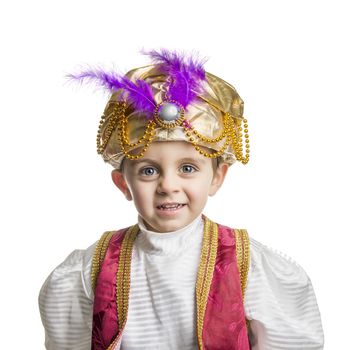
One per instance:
(123, 279)
(243, 257)
(205, 273)
(123, 274)
(99, 255)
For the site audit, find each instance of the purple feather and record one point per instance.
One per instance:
(139, 93)
(109, 81)
(186, 73)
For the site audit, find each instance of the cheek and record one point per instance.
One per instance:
(198, 191)
(142, 193)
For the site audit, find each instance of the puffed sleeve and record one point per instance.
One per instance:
(280, 303)
(65, 303)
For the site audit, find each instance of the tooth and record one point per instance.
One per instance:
(170, 206)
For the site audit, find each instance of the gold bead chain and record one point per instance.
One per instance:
(232, 133)
(192, 132)
(102, 140)
(144, 141)
(238, 141)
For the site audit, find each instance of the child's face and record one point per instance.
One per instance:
(170, 185)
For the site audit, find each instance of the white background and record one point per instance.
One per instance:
(289, 61)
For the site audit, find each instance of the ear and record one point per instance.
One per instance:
(119, 181)
(218, 178)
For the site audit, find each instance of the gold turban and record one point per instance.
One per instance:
(215, 118)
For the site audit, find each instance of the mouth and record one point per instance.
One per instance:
(170, 206)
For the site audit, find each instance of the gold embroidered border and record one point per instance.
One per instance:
(99, 254)
(243, 257)
(123, 274)
(239, 252)
(123, 279)
(205, 273)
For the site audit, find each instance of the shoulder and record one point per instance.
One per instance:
(280, 301)
(266, 260)
(274, 275)
(269, 260)
(72, 274)
(65, 303)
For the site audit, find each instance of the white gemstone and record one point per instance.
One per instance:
(169, 111)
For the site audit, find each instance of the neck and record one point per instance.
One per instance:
(170, 243)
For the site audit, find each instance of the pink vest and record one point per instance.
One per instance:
(223, 324)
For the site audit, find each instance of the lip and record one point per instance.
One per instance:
(170, 212)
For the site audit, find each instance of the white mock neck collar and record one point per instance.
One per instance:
(170, 243)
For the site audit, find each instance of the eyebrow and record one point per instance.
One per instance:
(192, 160)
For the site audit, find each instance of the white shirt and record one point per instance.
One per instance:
(279, 301)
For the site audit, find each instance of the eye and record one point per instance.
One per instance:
(148, 171)
(187, 169)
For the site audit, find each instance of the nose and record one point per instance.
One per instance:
(167, 183)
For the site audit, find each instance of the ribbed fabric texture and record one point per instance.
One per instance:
(162, 311)
(281, 302)
(65, 303)
(280, 299)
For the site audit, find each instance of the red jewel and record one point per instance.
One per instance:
(186, 124)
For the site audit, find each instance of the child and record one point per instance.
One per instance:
(176, 280)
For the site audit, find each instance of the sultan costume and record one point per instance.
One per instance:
(205, 286)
